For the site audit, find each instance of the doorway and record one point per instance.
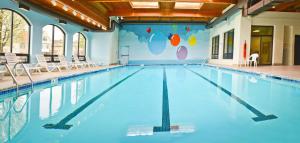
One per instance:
(262, 43)
(297, 50)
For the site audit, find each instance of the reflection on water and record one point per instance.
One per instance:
(13, 116)
(50, 101)
(78, 88)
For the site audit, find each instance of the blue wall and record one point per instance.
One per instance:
(164, 43)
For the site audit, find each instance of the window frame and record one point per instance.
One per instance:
(228, 55)
(215, 49)
(52, 56)
(78, 46)
(13, 12)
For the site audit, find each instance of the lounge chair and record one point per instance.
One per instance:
(12, 61)
(63, 62)
(42, 62)
(90, 62)
(80, 63)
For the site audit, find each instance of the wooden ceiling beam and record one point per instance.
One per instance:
(202, 1)
(159, 13)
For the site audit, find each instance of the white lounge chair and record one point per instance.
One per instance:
(253, 59)
(63, 62)
(42, 62)
(12, 61)
(90, 62)
(79, 63)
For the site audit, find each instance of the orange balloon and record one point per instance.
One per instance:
(175, 40)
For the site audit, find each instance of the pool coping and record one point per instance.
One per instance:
(272, 76)
(57, 79)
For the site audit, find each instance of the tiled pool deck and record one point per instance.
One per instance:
(285, 72)
(6, 82)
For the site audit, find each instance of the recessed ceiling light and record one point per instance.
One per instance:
(53, 2)
(65, 8)
(82, 17)
(188, 5)
(74, 12)
(140, 4)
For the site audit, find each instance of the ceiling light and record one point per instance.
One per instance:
(65, 8)
(94, 22)
(82, 17)
(98, 25)
(54, 2)
(74, 12)
(88, 20)
(188, 5)
(104, 28)
(140, 4)
(228, 8)
(256, 31)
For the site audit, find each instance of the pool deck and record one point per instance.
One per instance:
(6, 82)
(287, 72)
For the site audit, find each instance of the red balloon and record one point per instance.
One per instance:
(148, 30)
(175, 40)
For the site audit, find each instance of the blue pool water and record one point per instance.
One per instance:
(155, 104)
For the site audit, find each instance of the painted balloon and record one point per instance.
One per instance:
(175, 40)
(192, 40)
(181, 52)
(188, 29)
(148, 30)
(170, 36)
(157, 43)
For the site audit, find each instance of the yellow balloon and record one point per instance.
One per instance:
(192, 40)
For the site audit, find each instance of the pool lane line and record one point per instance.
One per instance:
(62, 124)
(165, 127)
(259, 115)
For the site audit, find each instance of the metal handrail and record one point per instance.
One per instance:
(13, 76)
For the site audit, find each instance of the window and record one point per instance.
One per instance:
(215, 47)
(53, 42)
(79, 46)
(228, 44)
(14, 35)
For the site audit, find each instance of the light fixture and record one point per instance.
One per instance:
(98, 25)
(63, 22)
(94, 22)
(53, 2)
(65, 8)
(74, 12)
(82, 17)
(140, 4)
(256, 31)
(104, 28)
(188, 5)
(88, 20)
(23, 7)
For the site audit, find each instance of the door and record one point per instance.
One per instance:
(297, 50)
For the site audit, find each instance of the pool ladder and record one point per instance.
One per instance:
(13, 73)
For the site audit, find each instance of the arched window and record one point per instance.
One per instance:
(79, 46)
(53, 42)
(14, 34)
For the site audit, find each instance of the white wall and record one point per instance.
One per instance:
(104, 47)
(233, 22)
(286, 26)
(38, 20)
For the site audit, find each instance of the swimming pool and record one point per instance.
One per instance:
(163, 104)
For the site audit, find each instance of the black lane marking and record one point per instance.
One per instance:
(165, 127)
(259, 115)
(62, 124)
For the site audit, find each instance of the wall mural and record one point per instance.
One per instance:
(166, 43)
